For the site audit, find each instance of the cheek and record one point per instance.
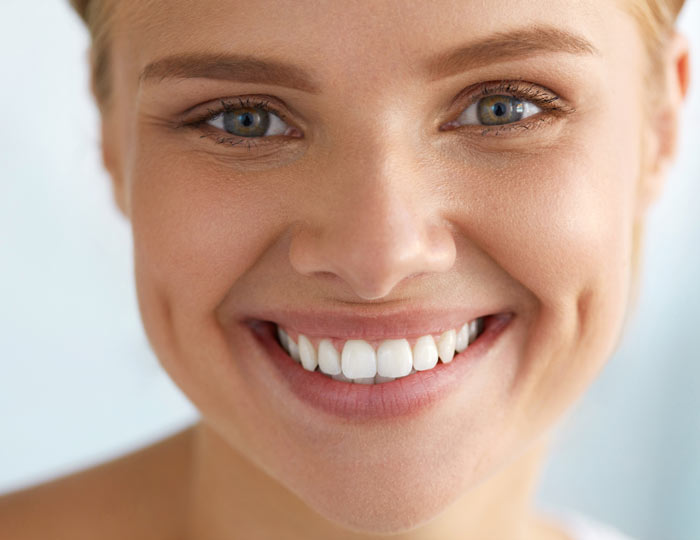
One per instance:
(197, 230)
(560, 224)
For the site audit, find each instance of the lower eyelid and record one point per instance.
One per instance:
(271, 143)
(530, 124)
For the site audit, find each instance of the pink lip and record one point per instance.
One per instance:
(373, 325)
(352, 401)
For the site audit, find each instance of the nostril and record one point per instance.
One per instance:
(375, 252)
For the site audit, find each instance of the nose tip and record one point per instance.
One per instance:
(373, 246)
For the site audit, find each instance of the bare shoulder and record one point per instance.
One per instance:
(139, 495)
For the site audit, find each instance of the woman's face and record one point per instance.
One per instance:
(391, 195)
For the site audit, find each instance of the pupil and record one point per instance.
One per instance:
(246, 122)
(499, 109)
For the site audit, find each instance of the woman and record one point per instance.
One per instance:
(381, 246)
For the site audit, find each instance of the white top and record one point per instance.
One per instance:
(580, 527)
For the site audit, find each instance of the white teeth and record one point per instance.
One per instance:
(293, 349)
(425, 353)
(394, 358)
(307, 353)
(462, 341)
(473, 330)
(446, 346)
(328, 358)
(358, 359)
(284, 338)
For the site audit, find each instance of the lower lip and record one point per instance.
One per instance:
(401, 397)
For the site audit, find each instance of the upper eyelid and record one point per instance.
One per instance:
(520, 88)
(527, 91)
(193, 119)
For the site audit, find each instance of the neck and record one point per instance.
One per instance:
(233, 498)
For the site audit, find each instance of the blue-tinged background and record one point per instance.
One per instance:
(79, 384)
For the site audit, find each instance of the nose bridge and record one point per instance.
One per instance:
(375, 217)
(373, 225)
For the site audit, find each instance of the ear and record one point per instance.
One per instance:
(662, 130)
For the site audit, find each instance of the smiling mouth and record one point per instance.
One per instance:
(379, 361)
(379, 377)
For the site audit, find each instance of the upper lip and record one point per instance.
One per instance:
(371, 324)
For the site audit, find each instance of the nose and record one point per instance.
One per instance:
(372, 223)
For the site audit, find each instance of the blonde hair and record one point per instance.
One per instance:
(656, 19)
(97, 14)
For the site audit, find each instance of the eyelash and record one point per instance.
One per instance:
(227, 106)
(548, 101)
(551, 104)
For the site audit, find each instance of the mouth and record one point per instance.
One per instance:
(377, 362)
(373, 377)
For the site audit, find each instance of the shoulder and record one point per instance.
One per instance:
(134, 496)
(581, 527)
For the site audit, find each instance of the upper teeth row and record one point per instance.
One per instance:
(393, 358)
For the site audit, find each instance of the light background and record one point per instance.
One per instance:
(79, 384)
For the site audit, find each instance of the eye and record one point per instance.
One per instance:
(248, 121)
(497, 110)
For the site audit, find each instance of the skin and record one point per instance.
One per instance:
(540, 220)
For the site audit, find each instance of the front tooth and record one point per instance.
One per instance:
(307, 353)
(425, 353)
(341, 377)
(381, 379)
(364, 380)
(328, 358)
(462, 338)
(358, 359)
(394, 358)
(446, 346)
(293, 349)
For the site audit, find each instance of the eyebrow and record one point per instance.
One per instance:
(509, 45)
(230, 67)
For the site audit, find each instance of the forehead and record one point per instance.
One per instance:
(373, 40)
